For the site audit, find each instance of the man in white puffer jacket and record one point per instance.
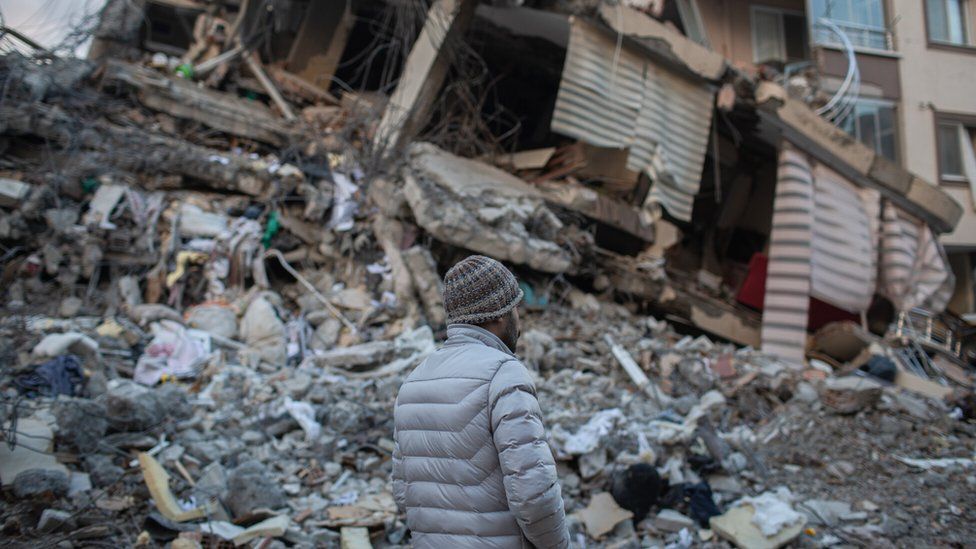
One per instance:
(471, 466)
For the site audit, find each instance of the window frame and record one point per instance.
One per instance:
(779, 12)
(879, 102)
(968, 121)
(968, 18)
(889, 48)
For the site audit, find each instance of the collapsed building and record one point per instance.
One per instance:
(243, 208)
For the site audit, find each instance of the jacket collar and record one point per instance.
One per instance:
(467, 333)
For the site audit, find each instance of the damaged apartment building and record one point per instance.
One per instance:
(752, 169)
(744, 229)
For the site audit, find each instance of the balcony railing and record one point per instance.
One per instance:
(859, 35)
(841, 105)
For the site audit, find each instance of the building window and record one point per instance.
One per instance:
(873, 123)
(778, 35)
(956, 142)
(861, 20)
(948, 21)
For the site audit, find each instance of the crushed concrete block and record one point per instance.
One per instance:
(479, 207)
(602, 515)
(358, 357)
(215, 319)
(35, 483)
(81, 423)
(33, 451)
(737, 527)
(53, 520)
(830, 513)
(669, 520)
(12, 192)
(264, 332)
(250, 486)
(848, 395)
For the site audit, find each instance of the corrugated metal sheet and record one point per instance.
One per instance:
(787, 301)
(914, 269)
(611, 96)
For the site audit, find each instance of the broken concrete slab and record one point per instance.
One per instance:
(54, 520)
(829, 512)
(41, 483)
(33, 450)
(922, 386)
(598, 206)
(848, 395)
(427, 283)
(269, 528)
(355, 538)
(12, 192)
(736, 526)
(264, 332)
(669, 520)
(631, 22)
(177, 97)
(358, 357)
(479, 207)
(602, 515)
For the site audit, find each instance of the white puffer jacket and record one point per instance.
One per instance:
(471, 466)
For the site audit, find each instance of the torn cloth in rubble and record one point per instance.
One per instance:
(174, 351)
(629, 102)
(58, 376)
(697, 498)
(914, 269)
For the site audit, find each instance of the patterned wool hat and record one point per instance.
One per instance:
(479, 289)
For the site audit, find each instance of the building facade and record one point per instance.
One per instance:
(910, 93)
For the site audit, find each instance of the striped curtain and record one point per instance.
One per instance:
(844, 264)
(610, 96)
(914, 269)
(784, 325)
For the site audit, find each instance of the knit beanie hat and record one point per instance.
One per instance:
(479, 289)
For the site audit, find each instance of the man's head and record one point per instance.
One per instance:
(481, 291)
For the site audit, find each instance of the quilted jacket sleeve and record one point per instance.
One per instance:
(531, 485)
(399, 486)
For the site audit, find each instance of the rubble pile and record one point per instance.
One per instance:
(205, 325)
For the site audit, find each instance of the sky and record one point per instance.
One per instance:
(48, 21)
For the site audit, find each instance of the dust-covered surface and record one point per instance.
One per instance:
(202, 337)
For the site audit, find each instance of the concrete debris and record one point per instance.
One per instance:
(41, 483)
(264, 333)
(669, 520)
(249, 487)
(739, 528)
(239, 291)
(847, 395)
(53, 520)
(269, 528)
(481, 208)
(602, 515)
(773, 511)
(30, 451)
